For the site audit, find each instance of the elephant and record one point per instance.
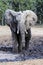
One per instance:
(19, 23)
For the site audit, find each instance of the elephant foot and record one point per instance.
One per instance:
(15, 50)
(26, 46)
(19, 49)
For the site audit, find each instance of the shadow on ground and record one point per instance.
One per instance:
(35, 51)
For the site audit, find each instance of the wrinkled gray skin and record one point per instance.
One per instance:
(11, 21)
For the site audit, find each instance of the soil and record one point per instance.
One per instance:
(32, 56)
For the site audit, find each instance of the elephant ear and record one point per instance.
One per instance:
(14, 19)
(13, 14)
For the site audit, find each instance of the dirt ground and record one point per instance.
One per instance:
(27, 62)
(33, 56)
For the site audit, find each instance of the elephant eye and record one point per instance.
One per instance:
(30, 24)
(33, 19)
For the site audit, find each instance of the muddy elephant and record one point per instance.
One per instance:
(19, 21)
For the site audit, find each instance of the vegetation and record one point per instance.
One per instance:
(35, 5)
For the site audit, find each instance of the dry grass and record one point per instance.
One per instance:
(36, 31)
(5, 34)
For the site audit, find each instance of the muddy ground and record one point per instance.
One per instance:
(35, 50)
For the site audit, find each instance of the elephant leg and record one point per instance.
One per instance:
(20, 43)
(27, 38)
(14, 42)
